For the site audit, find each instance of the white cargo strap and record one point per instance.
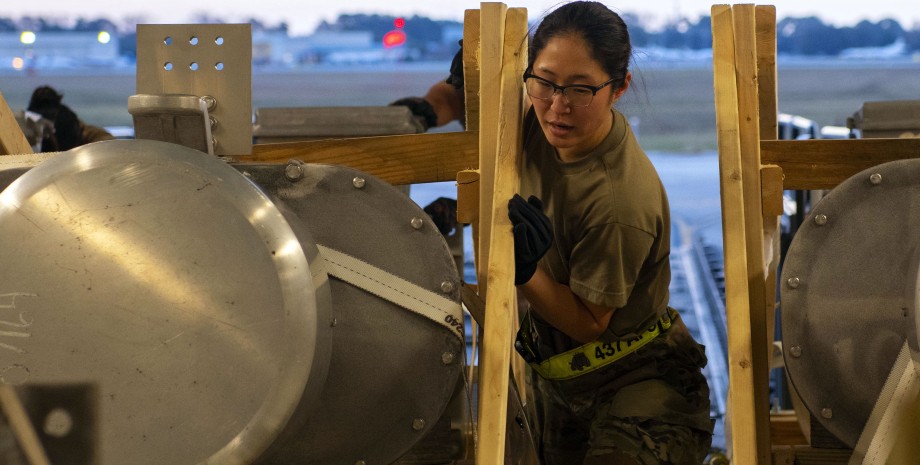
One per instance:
(388, 286)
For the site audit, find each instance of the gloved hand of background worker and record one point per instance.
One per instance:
(443, 211)
(422, 110)
(533, 235)
(456, 69)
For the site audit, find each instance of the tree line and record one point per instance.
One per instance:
(800, 36)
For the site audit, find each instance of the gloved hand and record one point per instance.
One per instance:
(421, 109)
(533, 235)
(443, 212)
(456, 69)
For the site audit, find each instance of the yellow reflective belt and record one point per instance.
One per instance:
(597, 354)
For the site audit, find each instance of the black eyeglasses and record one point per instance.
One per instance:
(576, 95)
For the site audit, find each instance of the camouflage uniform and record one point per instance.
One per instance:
(652, 406)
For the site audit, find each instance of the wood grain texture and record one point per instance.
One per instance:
(501, 303)
(12, 140)
(765, 25)
(743, 433)
(822, 164)
(746, 80)
(405, 159)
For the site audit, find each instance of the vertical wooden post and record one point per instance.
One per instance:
(743, 431)
(746, 80)
(765, 26)
(491, 40)
(12, 140)
(503, 138)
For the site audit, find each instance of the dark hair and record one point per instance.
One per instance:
(67, 129)
(68, 132)
(44, 98)
(603, 30)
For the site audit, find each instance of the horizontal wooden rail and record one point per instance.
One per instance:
(822, 164)
(403, 159)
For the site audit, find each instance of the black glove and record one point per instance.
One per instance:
(533, 235)
(443, 212)
(422, 110)
(456, 69)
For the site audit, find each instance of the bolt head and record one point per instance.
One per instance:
(358, 182)
(875, 178)
(447, 287)
(210, 101)
(795, 351)
(821, 220)
(418, 424)
(793, 282)
(826, 412)
(447, 358)
(293, 171)
(417, 223)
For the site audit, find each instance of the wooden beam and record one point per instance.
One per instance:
(467, 196)
(771, 180)
(405, 159)
(822, 164)
(765, 25)
(746, 80)
(501, 305)
(492, 35)
(785, 430)
(12, 140)
(471, 68)
(22, 428)
(743, 433)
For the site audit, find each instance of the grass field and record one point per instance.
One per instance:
(672, 108)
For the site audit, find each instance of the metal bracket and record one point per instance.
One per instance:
(210, 61)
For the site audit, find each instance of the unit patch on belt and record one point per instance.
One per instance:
(594, 355)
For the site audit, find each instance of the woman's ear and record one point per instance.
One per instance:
(619, 92)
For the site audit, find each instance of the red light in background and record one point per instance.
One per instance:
(399, 23)
(394, 38)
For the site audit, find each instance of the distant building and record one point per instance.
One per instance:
(57, 49)
(322, 47)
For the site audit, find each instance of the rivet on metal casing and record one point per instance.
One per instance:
(447, 358)
(358, 182)
(793, 282)
(418, 424)
(820, 220)
(294, 170)
(247, 174)
(875, 178)
(212, 121)
(447, 287)
(214, 142)
(417, 223)
(210, 101)
(795, 351)
(827, 413)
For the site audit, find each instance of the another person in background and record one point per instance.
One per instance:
(69, 130)
(618, 377)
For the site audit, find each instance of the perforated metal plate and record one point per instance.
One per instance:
(174, 285)
(213, 60)
(849, 294)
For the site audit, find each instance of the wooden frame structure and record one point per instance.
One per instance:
(754, 169)
(484, 161)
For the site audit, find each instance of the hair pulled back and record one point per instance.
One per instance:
(602, 29)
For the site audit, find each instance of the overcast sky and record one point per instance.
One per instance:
(303, 15)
